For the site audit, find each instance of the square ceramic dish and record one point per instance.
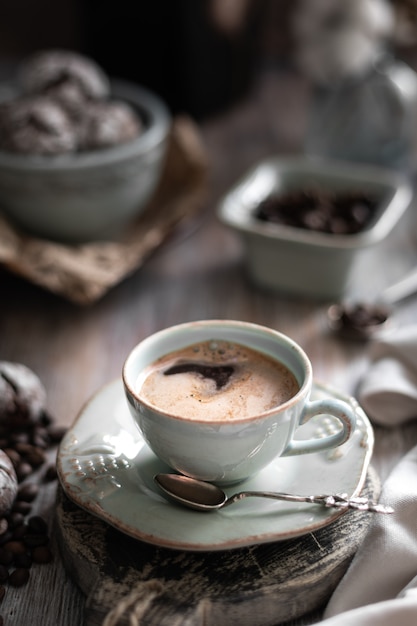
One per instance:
(300, 261)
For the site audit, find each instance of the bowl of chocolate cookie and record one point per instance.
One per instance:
(80, 153)
(304, 221)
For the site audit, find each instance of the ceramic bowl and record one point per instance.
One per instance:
(88, 195)
(296, 260)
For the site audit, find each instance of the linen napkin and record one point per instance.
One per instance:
(388, 392)
(380, 586)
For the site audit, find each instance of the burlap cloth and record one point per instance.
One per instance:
(83, 273)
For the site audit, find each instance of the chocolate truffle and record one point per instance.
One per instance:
(22, 395)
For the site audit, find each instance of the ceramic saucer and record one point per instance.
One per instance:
(106, 468)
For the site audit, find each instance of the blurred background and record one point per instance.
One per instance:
(203, 57)
(199, 56)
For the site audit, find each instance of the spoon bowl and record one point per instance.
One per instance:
(203, 496)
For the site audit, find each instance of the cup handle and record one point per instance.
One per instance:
(331, 406)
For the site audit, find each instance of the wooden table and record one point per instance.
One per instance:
(198, 274)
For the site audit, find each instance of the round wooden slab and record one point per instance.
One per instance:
(127, 581)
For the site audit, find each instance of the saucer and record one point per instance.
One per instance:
(106, 468)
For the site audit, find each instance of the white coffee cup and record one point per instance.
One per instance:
(226, 450)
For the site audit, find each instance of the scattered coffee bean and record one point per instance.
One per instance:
(15, 547)
(4, 573)
(23, 470)
(363, 315)
(33, 541)
(27, 431)
(6, 557)
(41, 554)
(16, 518)
(22, 507)
(359, 316)
(37, 524)
(23, 560)
(337, 212)
(19, 577)
(19, 532)
(28, 492)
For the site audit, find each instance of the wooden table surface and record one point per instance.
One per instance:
(198, 274)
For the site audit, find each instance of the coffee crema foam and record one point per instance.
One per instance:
(216, 380)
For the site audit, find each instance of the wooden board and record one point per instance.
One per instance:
(129, 582)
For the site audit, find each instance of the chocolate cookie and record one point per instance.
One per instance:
(22, 395)
(50, 69)
(36, 125)
(108, 124)
(8, 484)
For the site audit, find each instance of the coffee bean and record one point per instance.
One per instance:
(6, 556)
(338, 212)
(23, 470)
(21, 506)
(365, 315)
(21, 441)
(28, 492)
(15, 518)
(7, 536)
(23, 560)
(19, 577)
(37, 524)
(33, 540)
(4, 573)
(25, 437)
(15, 547)
(36, 458)
(42, 554)
(19, 532)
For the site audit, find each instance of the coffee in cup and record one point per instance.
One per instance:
(218, 400)
(216, 380)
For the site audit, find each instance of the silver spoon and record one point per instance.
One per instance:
(204, 496)
(362, 320)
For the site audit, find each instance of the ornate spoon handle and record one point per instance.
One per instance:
(339, 501)
(357, 503)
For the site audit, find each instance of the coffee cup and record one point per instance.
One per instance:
(219, 400)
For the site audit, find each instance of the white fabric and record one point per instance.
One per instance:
(380, 586)
(388, 392)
